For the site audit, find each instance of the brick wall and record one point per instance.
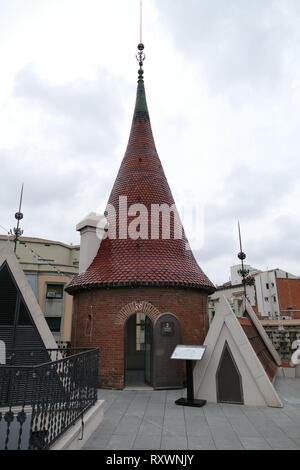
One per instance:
(289, 295)
(100, 316)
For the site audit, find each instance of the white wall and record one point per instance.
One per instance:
(91, 234)
(270, 307)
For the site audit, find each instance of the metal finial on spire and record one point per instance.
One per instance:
(242, 256)
(17, 231)
(140, 56)
(141, 21)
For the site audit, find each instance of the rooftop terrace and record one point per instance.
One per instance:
(143, 419)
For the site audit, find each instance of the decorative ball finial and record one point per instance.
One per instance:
(241, 255)
(140, 57)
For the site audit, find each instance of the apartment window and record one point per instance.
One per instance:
(54, 323)
(267, 285)
(273, 284)
(55, 291)
(266, 299)
(274, 298)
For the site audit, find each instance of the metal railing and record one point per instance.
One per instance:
(43, 393)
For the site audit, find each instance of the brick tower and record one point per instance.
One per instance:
(141, 295)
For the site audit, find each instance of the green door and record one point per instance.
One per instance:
(148, 351)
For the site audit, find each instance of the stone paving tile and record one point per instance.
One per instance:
(201, 443)
(174, 442)
(292, 431)
(214, 415)
(153, 420)
(197, 429)
(121, 442)
(270, 431)
(97, 443)
(150, 420)
(174, 424)
(297, 441)
(243, 427)
(150, 428)
(226, 441)
(255, 443)
(231, 410)
(174, 430)
(293, 414)
(129, 423)
(145, 441)
(282, 443)
(266, 427)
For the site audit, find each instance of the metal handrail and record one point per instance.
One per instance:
(83, 351)
(41, 401)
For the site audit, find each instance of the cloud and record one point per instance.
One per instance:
(250, 192)
(237, 43)
(81, 113)
(68, 156)
(259, 199)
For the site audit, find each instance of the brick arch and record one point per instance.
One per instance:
(137, 307)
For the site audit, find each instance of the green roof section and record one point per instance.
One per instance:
(141, 108)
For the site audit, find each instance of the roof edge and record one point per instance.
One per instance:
(111, 285)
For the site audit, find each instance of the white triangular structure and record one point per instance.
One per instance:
(257, 388)
(8, 256)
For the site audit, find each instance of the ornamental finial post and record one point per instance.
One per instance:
(17, 231)
(140, 56)
(242, 256)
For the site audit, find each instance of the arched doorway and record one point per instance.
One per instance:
(138, 351)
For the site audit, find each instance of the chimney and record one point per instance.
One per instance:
(92, 229)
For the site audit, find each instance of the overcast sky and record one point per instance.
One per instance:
(223, 88)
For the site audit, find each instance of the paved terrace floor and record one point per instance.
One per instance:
(150, 420)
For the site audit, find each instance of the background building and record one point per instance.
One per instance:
(273, 294)
(275, 298)
(49, 266)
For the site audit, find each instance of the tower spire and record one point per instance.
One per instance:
(149, 259)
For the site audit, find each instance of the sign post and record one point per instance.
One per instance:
(189, 354)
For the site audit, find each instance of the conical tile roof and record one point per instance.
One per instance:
(142, 262)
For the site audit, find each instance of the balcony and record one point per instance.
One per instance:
(43, 393)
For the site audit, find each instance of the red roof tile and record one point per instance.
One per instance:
(142, 262)
(259, 347)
